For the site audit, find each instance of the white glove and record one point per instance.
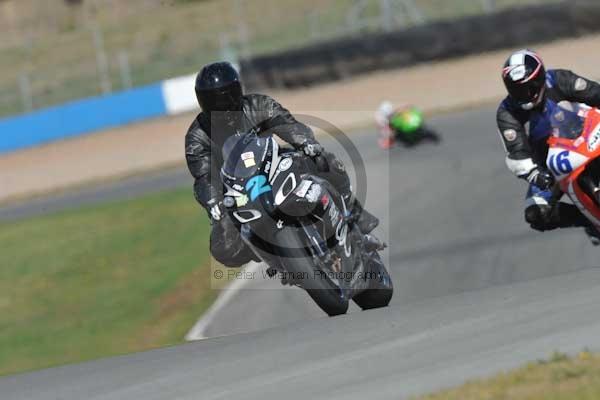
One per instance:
(216, 211)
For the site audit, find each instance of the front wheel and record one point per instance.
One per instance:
(298, 264)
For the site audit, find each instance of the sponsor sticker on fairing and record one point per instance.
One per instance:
(303, 188)
(594, 139)
(314, 193)
(285, 164)
(248, 159)
(241, 201)
(333, 215)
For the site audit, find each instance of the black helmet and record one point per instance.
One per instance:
(524, 76)
(218, 88)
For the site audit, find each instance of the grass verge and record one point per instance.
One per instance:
(102, 280)
(558, 378)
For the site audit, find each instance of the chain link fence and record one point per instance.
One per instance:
(55, 53)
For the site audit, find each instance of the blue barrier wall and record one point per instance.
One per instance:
(81, 116)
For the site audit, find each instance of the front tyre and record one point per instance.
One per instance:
(299, 265)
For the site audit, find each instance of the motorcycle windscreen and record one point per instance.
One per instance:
(243, 155)
(566, 119)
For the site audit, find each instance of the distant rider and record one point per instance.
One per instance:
(404, 123)
(530, 86)
(226, 111)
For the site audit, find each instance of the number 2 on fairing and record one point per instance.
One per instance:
(560, 163)
(257, 186)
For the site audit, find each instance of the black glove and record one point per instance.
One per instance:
(541, 178)
(312, 149)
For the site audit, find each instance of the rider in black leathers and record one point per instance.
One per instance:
(529, 88)
(227, 111)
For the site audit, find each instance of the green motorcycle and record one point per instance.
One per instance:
(408, 127)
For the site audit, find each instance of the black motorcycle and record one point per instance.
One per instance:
(300, 227)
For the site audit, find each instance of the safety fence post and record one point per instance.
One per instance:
(101, 60)
(125, 70)
(26, 93)
(489, 6)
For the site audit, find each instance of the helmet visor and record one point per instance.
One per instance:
(227, 98)
(526, 92)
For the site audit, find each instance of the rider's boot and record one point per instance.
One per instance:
(373, 244)
(366, 221)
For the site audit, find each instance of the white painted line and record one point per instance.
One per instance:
(198, 330)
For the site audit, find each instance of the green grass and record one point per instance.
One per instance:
(171, 38)
(559, 378)
(102, 280)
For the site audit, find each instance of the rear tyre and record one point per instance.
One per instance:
(381, 289)
(300, 266)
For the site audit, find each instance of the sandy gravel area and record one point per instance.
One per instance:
(148, 145)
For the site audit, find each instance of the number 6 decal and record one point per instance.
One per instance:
(560, 163)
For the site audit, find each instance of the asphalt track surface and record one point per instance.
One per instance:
(475, 292)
